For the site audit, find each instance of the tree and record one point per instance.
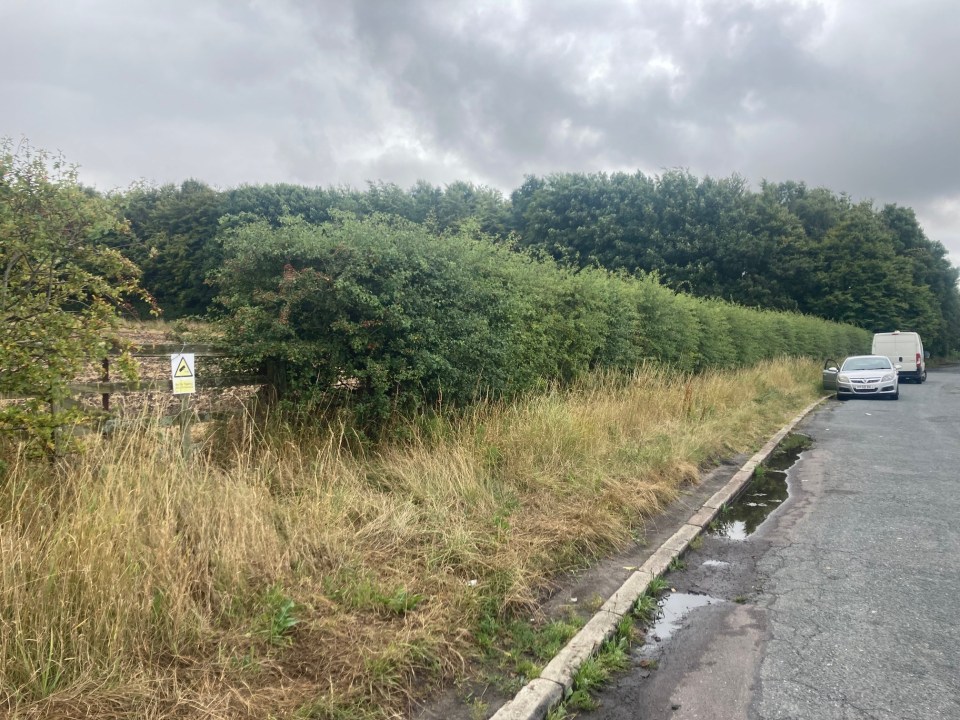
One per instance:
(176, 246)
(61, 286)
(592, 219)
(860, 278)
(932, 271)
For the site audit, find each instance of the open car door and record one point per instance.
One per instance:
(830, 371)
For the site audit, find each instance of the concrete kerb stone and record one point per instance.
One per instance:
(581, 647)
(764, 452)
(681, 539)
(658, 563)
(703, 517)
(621, 602)
(728, 491)
(532, 702)
(536, 698)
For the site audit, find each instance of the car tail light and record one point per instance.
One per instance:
(918, 361)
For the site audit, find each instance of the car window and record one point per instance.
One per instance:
(869, 363)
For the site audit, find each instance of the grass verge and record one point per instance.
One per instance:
(283, 574)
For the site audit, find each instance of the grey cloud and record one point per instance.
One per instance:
(655, 84)
(857, 96)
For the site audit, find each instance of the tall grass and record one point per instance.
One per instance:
(290, 574)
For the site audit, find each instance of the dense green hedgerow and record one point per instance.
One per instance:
(382, 312)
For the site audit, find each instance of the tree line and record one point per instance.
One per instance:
(343, 300)
(784, 246)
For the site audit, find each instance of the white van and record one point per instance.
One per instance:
(904, 349)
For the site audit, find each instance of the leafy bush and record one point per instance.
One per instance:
(60, 287)
(380, 313)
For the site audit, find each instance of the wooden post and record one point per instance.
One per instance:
(57, 432)
(186, 445)
(105, 377)
(275, 372)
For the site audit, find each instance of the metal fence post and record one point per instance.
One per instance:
(186, 444)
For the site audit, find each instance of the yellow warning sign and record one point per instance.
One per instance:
(182, 374)
(183, 370)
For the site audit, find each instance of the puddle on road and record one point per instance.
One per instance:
(765, 492)
(715, 563)
(674, 607)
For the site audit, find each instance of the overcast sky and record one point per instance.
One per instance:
(860, 96)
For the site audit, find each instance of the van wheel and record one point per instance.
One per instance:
(923, 378)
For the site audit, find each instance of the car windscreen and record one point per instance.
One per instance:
(866, 364)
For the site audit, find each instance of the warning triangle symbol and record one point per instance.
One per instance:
(183, 370)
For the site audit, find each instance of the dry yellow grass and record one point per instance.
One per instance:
(288, 576)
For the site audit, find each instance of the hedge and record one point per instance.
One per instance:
(385, 315)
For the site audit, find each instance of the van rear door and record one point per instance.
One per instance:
(901, 348)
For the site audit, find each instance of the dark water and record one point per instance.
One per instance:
(674, 607)
(763, 494)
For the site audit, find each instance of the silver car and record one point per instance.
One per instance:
(862, 375)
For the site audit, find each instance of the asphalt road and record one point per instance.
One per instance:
(845, 603)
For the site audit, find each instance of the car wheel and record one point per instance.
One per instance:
(842, 397)
(896, 395)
